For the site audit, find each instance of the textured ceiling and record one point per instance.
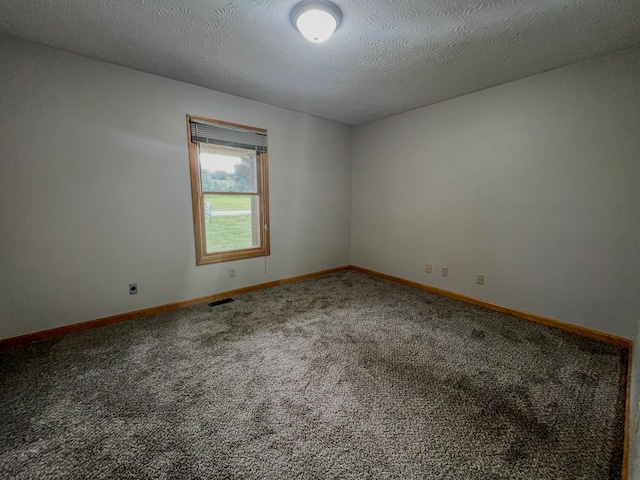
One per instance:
(387, 56)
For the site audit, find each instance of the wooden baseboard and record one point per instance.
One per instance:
(550, 322)
(627, 419)
(123, 317)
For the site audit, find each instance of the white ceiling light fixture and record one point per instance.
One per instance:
(316, 19)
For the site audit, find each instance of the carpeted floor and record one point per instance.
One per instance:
(344, 376)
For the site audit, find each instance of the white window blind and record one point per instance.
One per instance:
(228, 135)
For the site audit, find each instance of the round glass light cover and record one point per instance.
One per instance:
(316, 25)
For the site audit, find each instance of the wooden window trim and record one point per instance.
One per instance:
(197, 201)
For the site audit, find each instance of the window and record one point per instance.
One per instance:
(229, 190)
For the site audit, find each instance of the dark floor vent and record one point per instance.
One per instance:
(220, 302)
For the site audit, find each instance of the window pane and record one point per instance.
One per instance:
(226, 169)
(232, 222)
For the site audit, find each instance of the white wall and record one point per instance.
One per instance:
(95, 192)
(535, 184)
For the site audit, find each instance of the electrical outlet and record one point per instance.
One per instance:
(427, 268)
(445, 271)
(133, 288)
(232, 272)
(480, 279)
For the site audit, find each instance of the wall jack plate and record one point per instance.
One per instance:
(133, 288)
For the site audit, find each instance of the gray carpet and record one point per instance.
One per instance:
(344, 376)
